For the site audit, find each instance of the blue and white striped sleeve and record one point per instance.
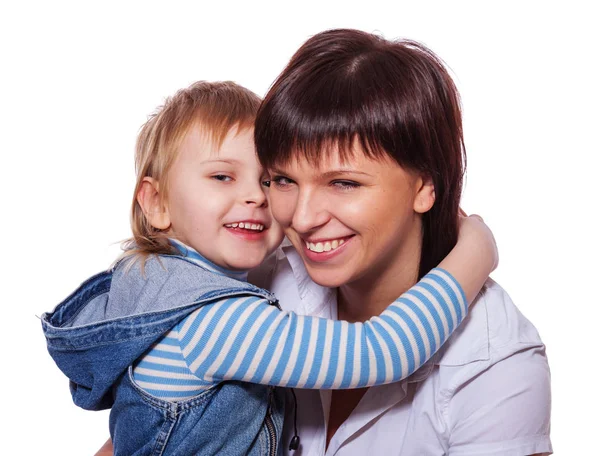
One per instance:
(248, 339)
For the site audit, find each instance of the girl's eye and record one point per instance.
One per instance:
(222, 177)
(345, 184)
(281, 182)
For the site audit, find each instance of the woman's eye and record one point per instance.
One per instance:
(222, 177)
(281, 182)
(345, 184)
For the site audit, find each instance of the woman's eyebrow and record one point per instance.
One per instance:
(337, 172)
(326, 174)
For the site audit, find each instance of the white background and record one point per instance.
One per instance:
(77, 81)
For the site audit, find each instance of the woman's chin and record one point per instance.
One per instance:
(330, 278)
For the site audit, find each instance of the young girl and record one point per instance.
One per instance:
(175, 339)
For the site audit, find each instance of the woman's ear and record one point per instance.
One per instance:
(425, 196)
(149, 199)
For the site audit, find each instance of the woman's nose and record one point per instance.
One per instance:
(310, 212)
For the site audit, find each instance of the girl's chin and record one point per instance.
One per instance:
(241, 266)
(237, 263)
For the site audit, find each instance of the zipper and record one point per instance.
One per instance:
(268, 419)
(271, 426)
(272, 435)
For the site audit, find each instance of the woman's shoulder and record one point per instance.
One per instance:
(507, 326)
(494, 377)
(496, 353)
(494, 340)
(493, 330)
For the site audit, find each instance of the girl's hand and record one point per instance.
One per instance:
(474, 256)
(474, 234)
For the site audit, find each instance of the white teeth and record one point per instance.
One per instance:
(247, 226)
(326, 246)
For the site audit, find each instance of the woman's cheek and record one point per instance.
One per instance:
(283, 205)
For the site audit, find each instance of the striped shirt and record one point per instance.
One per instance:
(247, 339)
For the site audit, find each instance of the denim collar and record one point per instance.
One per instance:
(188, 252)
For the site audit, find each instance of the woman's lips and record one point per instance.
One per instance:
(325, 250)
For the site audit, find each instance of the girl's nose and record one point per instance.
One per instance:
(256, 196)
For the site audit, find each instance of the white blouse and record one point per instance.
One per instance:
(486, 392)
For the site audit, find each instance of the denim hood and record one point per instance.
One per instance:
(114, 317)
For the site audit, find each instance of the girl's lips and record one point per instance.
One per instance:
(321, 257)
(247, 235)
(242, 223)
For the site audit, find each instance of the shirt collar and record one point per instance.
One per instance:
(315, 298)
(188, 252)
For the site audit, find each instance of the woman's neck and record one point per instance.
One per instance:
(371, 294)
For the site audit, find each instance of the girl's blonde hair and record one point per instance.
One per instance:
(213, 107)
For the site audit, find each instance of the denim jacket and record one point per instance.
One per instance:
(113, 318)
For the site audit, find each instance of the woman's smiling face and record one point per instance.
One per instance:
(352, 219)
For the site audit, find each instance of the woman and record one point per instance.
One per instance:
(363, 138)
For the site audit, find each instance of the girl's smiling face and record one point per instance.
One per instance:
(215, 201)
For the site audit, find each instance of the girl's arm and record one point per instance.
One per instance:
(249, 340)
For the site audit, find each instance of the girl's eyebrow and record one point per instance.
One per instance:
(231, 161)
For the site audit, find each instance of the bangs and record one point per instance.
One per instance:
(369, 100)
(308, 119)
(216, 120)
(214, 127)
(212, 108)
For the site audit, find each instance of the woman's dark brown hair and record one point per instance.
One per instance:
(345, 87)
